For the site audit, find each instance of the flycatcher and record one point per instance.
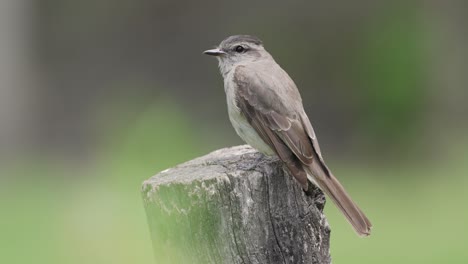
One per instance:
(265, 109)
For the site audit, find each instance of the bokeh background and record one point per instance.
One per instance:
(98, 95)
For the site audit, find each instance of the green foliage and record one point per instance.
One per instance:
(96, 215)
(160, 137)
(392, 72)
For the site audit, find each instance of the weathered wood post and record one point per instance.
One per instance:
(234, 205)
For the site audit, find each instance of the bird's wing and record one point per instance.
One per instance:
(278, 117)
(274, 116)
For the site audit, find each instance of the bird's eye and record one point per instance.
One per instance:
(239, 49)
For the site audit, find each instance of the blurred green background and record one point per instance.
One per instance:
(97, 96)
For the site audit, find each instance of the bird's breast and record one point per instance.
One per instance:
(242, 126)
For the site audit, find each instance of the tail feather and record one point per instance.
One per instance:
(333, 188)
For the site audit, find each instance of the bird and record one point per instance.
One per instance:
(265, 108)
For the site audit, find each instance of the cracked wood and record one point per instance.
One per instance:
(234, 205)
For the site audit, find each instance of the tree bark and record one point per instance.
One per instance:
(234, 205)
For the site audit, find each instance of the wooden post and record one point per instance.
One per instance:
(234, 205)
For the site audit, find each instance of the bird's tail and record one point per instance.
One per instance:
(333, 188)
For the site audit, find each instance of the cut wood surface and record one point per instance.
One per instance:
(234, 205)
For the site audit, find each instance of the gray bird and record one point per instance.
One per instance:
(265, 109)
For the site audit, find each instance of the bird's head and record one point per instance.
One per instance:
(236, 50)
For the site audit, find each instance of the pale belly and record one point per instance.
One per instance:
(246, 131)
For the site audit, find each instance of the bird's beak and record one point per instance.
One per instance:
(214, 52)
